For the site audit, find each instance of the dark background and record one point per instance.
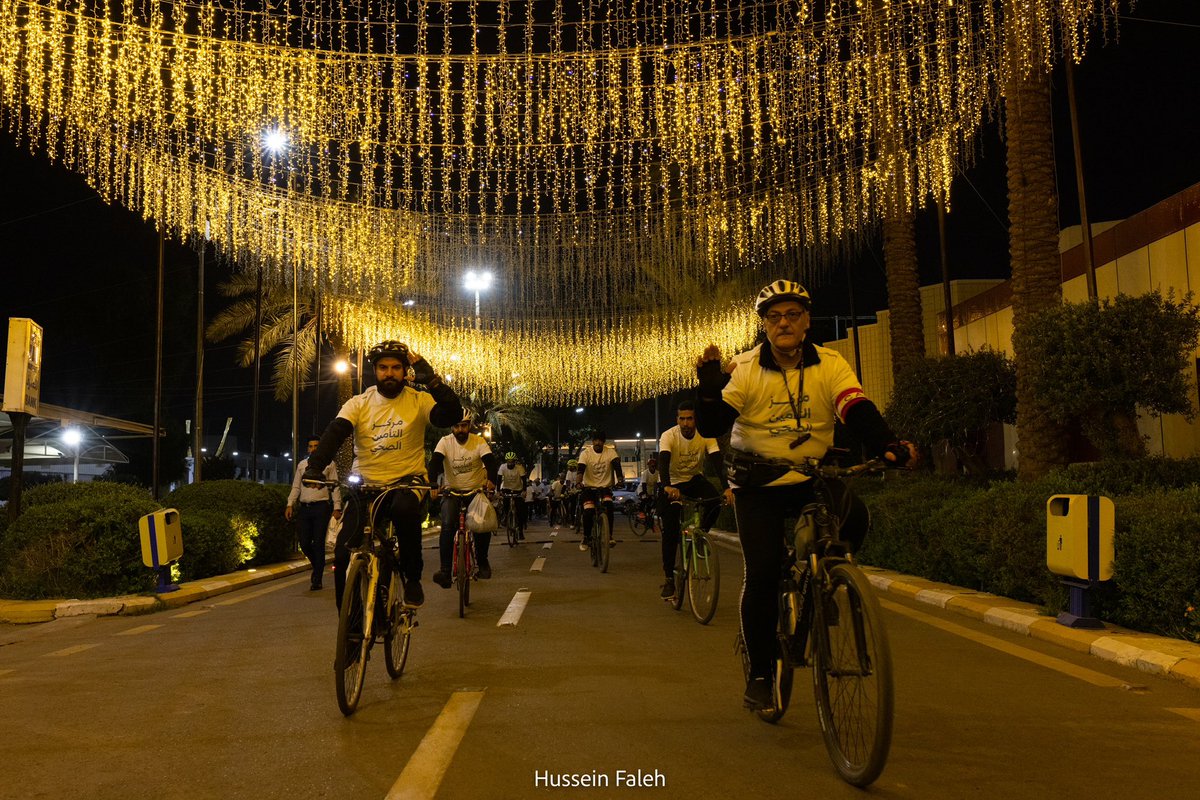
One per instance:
(85, 270)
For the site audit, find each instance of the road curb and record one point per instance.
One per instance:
(32, 611)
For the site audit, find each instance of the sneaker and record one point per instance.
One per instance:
(583, 545)
(759, 695)
(612, 542)
(414, 595)
(442, 578)
(485, 572)
(315, 587)
(668, 589)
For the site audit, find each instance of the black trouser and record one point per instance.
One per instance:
(761, 514)
(452, 505)
(589, 496)
(517, 506)
(695, 488)
(405, 508)
(312, 523)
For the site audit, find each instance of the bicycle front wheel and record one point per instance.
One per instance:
(399, 631)
(704, 580)
(852, 676)
(463, 573)
(603, 533)
(681, 572)
(353, 640)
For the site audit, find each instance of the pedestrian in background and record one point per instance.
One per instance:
(316, 507)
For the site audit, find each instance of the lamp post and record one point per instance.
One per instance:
(477, 282)
(73, 438)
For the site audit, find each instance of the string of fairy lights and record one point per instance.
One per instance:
(616, 164)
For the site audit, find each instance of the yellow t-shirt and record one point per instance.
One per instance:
(389, 435)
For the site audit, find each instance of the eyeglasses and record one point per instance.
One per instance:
(773, 317)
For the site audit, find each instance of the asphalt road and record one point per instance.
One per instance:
(597, 679)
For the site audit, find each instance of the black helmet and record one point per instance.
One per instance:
(389, 349)
(599, 434)
(778, 291)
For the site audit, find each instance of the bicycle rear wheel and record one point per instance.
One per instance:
(510, 524)
(681, 573)
(852, 676)
(399, 631)
(704, 580)
(603, 533)
(353, 641)
(462, 572)
(636, 523)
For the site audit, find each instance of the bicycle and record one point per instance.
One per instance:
(697, 565)
(822, 591)
(360, 624)
(511, 517)
(601, 542)
(465, 569)
(643, 518)
(557, 513)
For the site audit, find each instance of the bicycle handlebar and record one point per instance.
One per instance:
(814, 468)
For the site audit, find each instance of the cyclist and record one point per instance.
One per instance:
(599, 469)
(512, 482)
(470, 465)
(683, 453)
(781, 400)
(388, 421)
(648, 484)
(571, 489)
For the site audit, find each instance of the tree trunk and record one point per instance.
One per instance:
(1033, 241)
(904, 296)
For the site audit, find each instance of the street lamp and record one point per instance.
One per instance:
(73, 438)
(477, 282)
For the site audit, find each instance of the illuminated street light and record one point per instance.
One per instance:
(73, 438)
(342, 366)
(477, 282)
(275, 140)
(579, 410)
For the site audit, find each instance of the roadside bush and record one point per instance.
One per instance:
(76, 540)
(211, 545)
(902, 519)
(1114, 477)
(253, 517)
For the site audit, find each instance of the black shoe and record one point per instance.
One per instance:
(442, 579)
(668, 589)
(316, 587)
(759, 696)
(414, 595)
(485, 572)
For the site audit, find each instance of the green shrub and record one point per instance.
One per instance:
(901, 515)
(76, 540)
(1115, 477)
(254, 521)
(211, 545)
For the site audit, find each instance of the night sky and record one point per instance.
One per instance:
(86, 271)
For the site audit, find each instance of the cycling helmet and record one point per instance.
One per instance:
(599, 434)
(466, 417)
(778, 291)
(389, 349)
(510, 456)
(572, 464)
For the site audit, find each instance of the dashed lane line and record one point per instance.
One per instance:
(423, 774)
(195, 613)
(515, 609)
(72, 650)
(275, 587)
(4, 672)
(139, 629)
(547, 545)
(1050, 662)
(538, 563)
(1191, 713)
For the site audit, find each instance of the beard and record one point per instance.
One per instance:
(390, 387)
(461, 438)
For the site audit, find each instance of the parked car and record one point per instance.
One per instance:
(625, 496)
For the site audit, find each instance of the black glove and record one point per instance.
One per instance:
(900, 451)
(422, 372)
(712, 378)
(313, 475)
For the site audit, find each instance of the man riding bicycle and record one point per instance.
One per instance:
(683, 454)
(470, 465)
(781, 400)
(388, 421)
(512, 484)
(599, 469)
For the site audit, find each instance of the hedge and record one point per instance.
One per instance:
(76, 540)
(229, 524)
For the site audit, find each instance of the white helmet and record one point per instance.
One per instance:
(778, 291)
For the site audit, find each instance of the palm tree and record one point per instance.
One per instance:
(904, 291)
(1033, 237)
(510, 419)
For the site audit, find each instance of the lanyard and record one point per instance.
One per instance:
(802, 437)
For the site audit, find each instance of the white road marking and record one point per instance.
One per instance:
(195, 613)
(538, 563)
(515, 609)
(4, 672)
(274, 587)
(70, 651)
(1191, 713)
(554, 532)
(547, 545)
(423, 774)
(1050, 662)
(139, 629)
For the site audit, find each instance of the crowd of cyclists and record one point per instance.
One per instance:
(778, 403)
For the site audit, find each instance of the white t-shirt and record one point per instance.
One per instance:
(766, 424)
(556, 489)
(687, 455)
(389, 435)
(464, 462)
(597, 467)
(512, 477)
